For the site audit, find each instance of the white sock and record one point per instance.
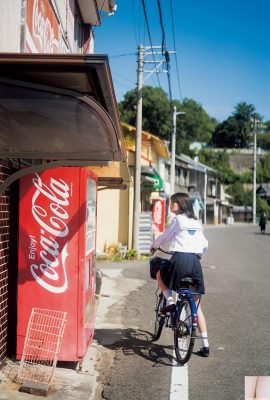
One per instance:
(204, 339)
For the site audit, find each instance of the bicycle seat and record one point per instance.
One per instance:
(186, 282)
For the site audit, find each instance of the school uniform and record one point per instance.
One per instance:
(188, 244)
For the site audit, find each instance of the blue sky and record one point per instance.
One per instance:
(223, 50)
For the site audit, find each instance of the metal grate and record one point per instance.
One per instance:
(42, 346)
(5, 248)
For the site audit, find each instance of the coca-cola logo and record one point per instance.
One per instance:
(43, 32)
(49, 209)
(158, 212)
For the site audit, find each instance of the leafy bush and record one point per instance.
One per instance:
(241, 197)
(131, 254)
(262, 206)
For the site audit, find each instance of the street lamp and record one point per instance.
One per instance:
(175, 113)
(256, 123)
(254, 169)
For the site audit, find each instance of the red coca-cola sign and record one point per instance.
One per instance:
(48, 247)
(158, 215)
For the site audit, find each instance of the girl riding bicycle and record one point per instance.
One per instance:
(188, 244)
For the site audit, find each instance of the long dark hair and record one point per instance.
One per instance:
(184, 203)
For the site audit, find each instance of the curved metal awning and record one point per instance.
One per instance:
(42, 122)
(60, 108)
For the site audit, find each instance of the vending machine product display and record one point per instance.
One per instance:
(56, 265)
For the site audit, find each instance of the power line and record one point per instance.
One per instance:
(164, 50)
(169, 82)
(149, 35)
(177, 69)
(123, 77)
(122, 55)
(161, 25)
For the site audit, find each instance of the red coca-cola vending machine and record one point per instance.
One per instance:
(56, 266)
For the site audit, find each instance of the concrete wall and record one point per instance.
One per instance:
(242, 162)
(114, 217)
(10, 26)
(107, 218)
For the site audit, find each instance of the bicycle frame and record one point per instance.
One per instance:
(189, 294)
(183, 319)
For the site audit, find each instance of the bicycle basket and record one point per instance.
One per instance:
(156, 263)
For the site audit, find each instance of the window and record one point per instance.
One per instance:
(78, 33)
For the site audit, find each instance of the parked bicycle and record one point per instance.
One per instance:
(183, 319)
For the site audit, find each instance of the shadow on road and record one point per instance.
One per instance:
(136, 341)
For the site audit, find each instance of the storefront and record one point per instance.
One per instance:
(55, 110)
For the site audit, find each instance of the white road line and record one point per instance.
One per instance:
(179, 381)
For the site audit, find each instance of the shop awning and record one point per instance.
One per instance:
(114, 176)
(150, 179)
(61, 108)
(159, 145)
(58, 107)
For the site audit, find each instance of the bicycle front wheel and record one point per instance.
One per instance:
(160, 319)
(183, 340)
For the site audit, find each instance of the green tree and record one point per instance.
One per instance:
(219, 160)
(263, 169)
(240, 196)
(225, 134)
(263, 140)
(236, 131)
(195, 126)
(262, 205)
(156, 115)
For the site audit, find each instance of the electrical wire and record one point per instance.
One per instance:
(161, 25)
(150, 39)
(177, 69)
(123, 55)
(164, 50)
(169, 82)
(123, 77)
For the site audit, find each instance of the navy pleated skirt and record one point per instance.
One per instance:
(183, 265)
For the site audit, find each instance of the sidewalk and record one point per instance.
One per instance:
(69, 384)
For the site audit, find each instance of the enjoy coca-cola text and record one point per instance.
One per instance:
(52, 220)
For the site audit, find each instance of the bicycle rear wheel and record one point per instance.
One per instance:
(183, 340)
(160, 319)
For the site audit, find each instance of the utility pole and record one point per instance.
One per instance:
(205, 195)
(137, 183)
(158, 63)
(172, 170)
(254, 169)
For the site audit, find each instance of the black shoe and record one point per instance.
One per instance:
(168, 308)
(204, 352)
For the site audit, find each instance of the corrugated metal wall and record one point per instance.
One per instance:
(8, 263)
(4, 263)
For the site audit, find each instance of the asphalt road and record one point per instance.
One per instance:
(236, 306)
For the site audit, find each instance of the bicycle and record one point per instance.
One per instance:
(183, 319)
